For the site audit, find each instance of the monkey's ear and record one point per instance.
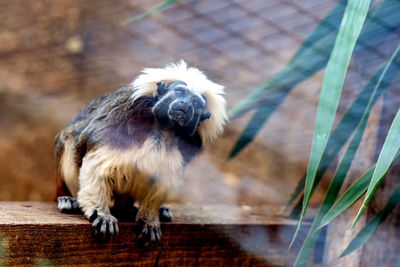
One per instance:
(161, 88)
(205, 116)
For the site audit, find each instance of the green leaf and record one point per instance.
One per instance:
(316, 47)
(306, 64)
(385, 159)
(352, 22)
(268, 97)
(310, 58)
(297, 191)
(340, 175)
(332, 193)
(365, 234)
(386, 75)
(299, 70)
(256, 123)
(345, 128)
(373, 30)
(328, 25)
(349, 197)
(382, 23)
(150, 12)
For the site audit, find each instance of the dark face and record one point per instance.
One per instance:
(179, 108)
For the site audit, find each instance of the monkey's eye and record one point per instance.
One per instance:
(180, 92)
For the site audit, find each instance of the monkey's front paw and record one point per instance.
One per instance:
(165, 214)
(105, 226)
(148, 232)
(68, 205)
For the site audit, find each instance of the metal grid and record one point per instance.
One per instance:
(241, 41)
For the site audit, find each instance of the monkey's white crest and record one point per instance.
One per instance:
(197, 81)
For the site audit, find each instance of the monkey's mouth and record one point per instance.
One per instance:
(179, 115)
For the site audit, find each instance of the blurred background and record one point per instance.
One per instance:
(57, 55)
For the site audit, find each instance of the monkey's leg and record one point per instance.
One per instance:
(165, 214)
(147, 220)
(95, 199)
(67, 204)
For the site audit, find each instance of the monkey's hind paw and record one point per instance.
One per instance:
(68, 205)
(165, 214)
(105, 226)
(148, 233)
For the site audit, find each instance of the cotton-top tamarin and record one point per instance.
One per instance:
(133, 145)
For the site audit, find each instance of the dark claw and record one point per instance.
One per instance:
(105, 226)
(68, 205)
(93, 216)
(165, 214)
(148, 233)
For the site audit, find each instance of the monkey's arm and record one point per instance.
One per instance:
(95, 196)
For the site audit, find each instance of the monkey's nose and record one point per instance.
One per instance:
(183, 106)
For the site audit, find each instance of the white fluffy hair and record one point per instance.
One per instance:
(197, 81)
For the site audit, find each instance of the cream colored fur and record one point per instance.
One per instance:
(149, 172)
(197, 81)
(68, 166)
(146, 173)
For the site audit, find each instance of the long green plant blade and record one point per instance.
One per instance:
(150, 12)
(305, 65)
(340, 174)
(345, 129)
(297, 191)
(255, 124)
(310, 58)
(385, 159)
(348, 123)
(328, 25)
(351, 196)
(387, 74)
(365, 234)
(381, 24)
(278, 87)
(350, 28)
(332, 193)
(339, 177)
(330, 197)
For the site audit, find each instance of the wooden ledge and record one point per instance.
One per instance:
(223, 235)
